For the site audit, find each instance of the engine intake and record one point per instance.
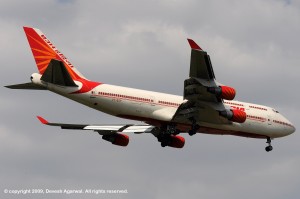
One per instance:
(224, 92)
(117, 139)
(234, 115)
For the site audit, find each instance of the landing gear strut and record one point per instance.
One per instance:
(194, 127)
(269, 147)
(171, 129)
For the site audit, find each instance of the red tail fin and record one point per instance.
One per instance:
(43, 51)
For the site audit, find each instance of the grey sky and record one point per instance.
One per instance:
(254, 47)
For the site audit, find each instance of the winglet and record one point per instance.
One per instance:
(42, 120)
(194, 45)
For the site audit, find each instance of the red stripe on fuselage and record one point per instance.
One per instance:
(87, 86)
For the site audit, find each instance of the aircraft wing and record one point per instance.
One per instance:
(115, 133)
(201, 91)
(103, 129)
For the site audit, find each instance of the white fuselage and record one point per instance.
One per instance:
(153, 108)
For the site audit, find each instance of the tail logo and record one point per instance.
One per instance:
(63, 58)
(44, 51)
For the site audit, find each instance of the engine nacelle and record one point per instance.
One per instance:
(176, 141)
(117, 139)
(224, 92)
(234, 115)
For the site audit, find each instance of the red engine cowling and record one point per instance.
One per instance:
(227, 92)
(224, 92)
(238, 116)
(117, 139)
(121, 140)
(176, 141)
(234, 115)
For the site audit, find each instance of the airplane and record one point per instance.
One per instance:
(206, 106)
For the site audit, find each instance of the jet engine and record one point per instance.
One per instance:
(224, 92)
(117, 139)
(234, 115)
(176, 141)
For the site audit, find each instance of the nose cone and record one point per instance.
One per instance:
(288, 127)
(291, 129)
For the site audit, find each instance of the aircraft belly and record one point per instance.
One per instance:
(247, 129)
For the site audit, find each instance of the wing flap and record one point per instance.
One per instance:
(139, 129)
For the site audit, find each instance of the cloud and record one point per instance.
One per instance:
(253, 46)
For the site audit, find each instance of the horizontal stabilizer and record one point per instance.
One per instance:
(29, 86)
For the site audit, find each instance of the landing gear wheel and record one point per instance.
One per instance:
(164, 140)
(163, 144)
(269, 148)
(192, 132)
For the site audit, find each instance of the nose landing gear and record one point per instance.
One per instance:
(269, 147)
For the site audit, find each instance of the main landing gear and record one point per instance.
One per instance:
(164, 140)
(166, 133)
(171, 129)
(269, 147)
(194, 127)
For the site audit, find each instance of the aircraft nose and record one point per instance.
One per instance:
(289, 128)
(292, 129)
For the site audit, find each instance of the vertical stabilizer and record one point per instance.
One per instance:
(44, 51)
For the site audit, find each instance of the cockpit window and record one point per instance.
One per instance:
(275, 111)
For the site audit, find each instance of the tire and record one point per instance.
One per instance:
(163, 144)
(269, 148)
(191, 132)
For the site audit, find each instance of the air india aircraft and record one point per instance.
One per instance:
(205, 107)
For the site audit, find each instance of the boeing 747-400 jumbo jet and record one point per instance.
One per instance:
(205, 107)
